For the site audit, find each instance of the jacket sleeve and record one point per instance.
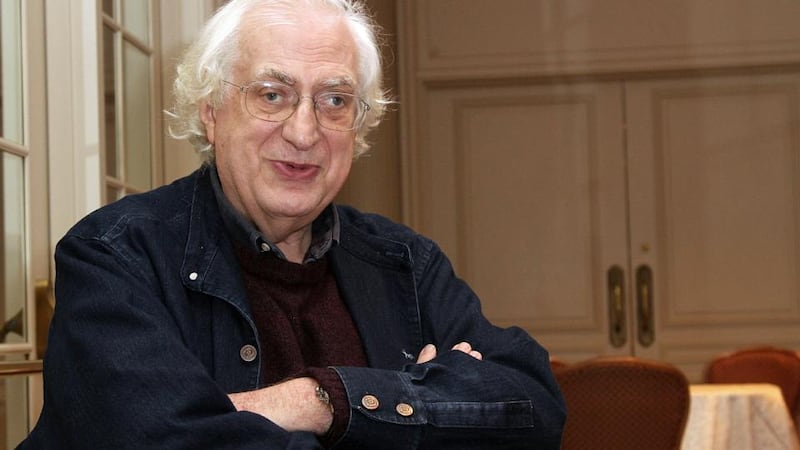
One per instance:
(508, 400)
(118, 372)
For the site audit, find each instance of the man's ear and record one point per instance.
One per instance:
(209, 118)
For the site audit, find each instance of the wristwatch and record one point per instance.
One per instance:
(323, 396)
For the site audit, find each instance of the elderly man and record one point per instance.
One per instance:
(239, 308)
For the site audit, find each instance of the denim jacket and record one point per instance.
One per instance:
(152, 329)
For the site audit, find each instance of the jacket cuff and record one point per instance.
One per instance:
(385, 412)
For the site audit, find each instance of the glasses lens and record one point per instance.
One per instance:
(336, 110)
(273, 102)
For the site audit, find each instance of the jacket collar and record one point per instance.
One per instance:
(209, 264)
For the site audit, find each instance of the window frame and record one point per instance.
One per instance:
(122, 35)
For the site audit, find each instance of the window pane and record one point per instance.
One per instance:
(136, 18)
(11, 70)
(13, 405)
(136, 104)
(12, 249)
(110, 102)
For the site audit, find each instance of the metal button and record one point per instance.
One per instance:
(248, 353)
(265, 247)
(193, 276)
(370, 402)
(404, 409)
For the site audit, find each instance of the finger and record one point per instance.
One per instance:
(467, 348)
(463, 347)
(426, 354)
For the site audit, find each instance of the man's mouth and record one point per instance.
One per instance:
(296, 171)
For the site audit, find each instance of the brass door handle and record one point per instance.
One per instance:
(644, 305)
(617, 327)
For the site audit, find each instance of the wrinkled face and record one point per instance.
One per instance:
(285, 172)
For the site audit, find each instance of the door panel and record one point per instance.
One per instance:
(524, 189)
(590, 176)
(666, 210)
(714, 177)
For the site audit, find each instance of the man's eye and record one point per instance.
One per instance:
(271, 96)
(334, 100)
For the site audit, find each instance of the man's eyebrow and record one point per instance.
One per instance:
(338, 82)
(276, 75)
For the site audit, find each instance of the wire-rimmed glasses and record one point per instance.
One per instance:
(275, 102)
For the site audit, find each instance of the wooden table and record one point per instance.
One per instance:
(740, 417)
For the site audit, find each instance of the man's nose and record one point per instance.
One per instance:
(302, 128)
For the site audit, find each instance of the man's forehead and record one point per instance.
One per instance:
(292, 54)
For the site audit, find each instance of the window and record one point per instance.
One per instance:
(131, 133)
(13, 153)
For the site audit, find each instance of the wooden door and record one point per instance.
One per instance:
(714, 186)
(524, 188)
(616, 180)
(659, 218)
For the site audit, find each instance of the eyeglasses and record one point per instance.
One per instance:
(276, 102)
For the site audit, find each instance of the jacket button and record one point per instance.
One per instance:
(404, 409)
(248, 353)
(193, 276)
(370, 402)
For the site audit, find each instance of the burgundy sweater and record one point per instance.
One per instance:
(303, 326)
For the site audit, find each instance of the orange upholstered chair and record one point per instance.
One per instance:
(764, 364)
(623, 403)
(557, 363)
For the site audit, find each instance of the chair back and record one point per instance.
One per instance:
(557, 363)
(623, 403)
(763, 364)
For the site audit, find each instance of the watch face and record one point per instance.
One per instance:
(323, 396)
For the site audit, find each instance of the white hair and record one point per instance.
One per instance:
(211, 58)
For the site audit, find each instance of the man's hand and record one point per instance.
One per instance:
(429, 352)
(293, 405)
